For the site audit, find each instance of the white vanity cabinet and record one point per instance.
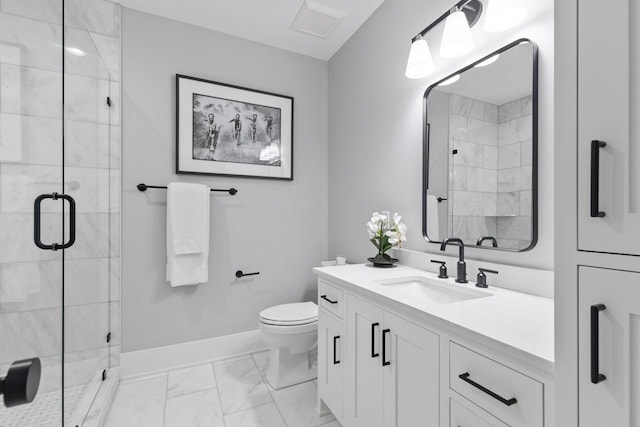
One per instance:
(402, 370)
(608, 127)
(393, 369)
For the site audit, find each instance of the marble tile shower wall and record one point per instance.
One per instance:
(490, 170)
(473, 137)
(514, 174)
(30, 164)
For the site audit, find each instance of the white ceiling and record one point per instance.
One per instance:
(264, 21)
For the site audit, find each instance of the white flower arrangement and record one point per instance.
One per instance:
(386, 232)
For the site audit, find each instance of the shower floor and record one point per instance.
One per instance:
(43, 411)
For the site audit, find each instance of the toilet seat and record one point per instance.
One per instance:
(295, 314)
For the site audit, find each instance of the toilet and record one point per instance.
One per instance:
(291, 332)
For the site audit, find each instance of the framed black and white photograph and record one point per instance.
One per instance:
(223, 129)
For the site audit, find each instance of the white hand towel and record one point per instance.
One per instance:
(433, 223)
(187, 233)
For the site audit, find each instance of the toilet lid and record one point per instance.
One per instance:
(290, 314)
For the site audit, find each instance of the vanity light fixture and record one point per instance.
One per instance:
(420, 63)
(488, 61)
(456, 38)
(504, 14)
(451, 80)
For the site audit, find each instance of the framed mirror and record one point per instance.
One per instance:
(480, 152)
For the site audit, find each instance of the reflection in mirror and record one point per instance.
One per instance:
(480, 152)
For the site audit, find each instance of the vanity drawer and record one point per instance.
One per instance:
(330, 298)
(505, 393)
(459, 416)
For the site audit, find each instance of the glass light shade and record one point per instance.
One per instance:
(420, 63)
(451, 80)
(456, 38)
(488, 61)
(504, 14)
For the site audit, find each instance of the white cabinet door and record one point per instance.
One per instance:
(410, 356)
(610, 298)
(608, 111)
(331, 342)
(364, 364)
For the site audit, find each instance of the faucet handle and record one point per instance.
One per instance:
(481, 279)
(443, 269)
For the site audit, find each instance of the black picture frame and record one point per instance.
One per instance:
(229, 130)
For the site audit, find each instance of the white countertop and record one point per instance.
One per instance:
(519, 321)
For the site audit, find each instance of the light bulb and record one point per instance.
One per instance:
(488, 61)
(420, 63)
(456, 38)
(451, 80)
(504, 14)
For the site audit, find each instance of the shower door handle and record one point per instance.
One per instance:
(37, 208)
(21, 384)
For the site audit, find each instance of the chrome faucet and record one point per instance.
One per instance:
(462, 266)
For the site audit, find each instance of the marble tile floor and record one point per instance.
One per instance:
(229, 393)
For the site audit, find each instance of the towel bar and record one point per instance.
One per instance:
(143, 187)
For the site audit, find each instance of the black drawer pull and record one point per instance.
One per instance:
(373, 338)
(385, 362)
(596, 376)
(465, 377)
(335, 353)
(595, 178)
(324, 297)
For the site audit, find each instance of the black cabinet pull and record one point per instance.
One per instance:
(324, 297)
(373, 340)
(37, 205)
(596, 376)
(335, 354)
(465, 377)
(595, 178)
(385, 362)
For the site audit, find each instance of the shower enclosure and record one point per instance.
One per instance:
(59, 210)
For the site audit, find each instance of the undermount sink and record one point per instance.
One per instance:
(425, 289)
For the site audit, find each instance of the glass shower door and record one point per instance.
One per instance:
(31, 164)
(58, 210)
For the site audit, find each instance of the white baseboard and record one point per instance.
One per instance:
(160, 359)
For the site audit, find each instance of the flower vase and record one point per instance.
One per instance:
(383, 261)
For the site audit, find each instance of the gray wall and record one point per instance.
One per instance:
(375, 116)
(276, 227)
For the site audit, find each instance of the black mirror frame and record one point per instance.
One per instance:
(534, 147)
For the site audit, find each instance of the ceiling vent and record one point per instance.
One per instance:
(316, 19)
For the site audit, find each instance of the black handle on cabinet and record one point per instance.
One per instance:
(373, 340)
(596, 376)
(465, 377)
(37, 210)
(335, 356)
(595, 178)
(324, 297)
(21, 384)
(385, 362)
